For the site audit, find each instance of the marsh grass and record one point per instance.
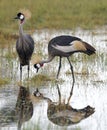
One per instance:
(10, 55)
(40, 79)
(58, 14)
(6, 43)
(83, 61)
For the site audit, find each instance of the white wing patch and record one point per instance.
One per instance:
(73, 46)
(64, 48)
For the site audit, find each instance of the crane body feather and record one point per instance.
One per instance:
(25, 48)
(66, 45)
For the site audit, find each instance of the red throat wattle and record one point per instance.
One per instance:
(41, 65)
(21, 21)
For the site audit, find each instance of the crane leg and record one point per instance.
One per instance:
(59, 94)
(20, 72)
(71, 67)
(28, 70)
(59, 67)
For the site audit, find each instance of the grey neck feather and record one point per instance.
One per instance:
(21, 29)
(50, 58)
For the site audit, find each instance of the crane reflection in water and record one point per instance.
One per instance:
(63, 114)
(24, 106)
(21, 112)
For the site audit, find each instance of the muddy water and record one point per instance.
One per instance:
(90, 87)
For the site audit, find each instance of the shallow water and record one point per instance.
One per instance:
(90, 87)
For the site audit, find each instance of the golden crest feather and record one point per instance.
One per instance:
(26, 12)
(35, 59)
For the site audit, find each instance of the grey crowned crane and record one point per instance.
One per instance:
(24, 45)
(65, 46)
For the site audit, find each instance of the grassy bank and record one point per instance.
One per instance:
(58, 14)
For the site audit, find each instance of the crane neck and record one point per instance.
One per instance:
(50, 58)
(21, 29)
(48, 100)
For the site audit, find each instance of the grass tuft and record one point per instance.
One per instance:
(40, 79)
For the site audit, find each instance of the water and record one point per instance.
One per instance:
(90, 87)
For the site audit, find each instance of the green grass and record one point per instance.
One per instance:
(57, 14)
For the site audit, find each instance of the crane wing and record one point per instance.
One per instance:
(72, 47)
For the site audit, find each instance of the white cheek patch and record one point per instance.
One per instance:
(38, 94)
(38, 65)
(21, 16)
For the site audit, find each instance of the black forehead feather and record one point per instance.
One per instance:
(19, 14)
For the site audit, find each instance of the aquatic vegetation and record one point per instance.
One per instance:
(40, 79)
(4, 81)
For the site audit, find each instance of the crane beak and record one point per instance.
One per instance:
(37, 70)
(16, 17)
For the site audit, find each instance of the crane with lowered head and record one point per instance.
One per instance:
(65, 46)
